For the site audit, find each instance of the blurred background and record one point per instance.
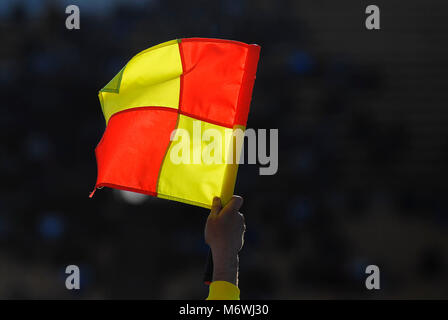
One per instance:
(363, 152)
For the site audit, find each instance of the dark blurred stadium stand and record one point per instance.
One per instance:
(363, 137)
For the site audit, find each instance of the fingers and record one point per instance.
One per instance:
(216, 206)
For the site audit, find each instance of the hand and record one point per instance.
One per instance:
(224, 233)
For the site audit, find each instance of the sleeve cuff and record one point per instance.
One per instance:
(223, 290)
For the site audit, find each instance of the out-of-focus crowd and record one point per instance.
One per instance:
(362, 156)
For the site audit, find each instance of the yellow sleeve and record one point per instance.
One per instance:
(223, 290)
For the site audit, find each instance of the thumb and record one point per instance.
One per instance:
(216, 206)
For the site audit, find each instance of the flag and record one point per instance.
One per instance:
(193, 86)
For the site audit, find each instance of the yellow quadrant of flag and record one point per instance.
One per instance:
(179, 181)
(151, 78)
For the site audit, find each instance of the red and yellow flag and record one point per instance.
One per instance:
(189, 84)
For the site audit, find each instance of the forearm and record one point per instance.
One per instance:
(225, 278)
(225, 268)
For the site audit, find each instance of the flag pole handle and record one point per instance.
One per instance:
(208, 273)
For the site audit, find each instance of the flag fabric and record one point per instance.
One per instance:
(188, 84)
